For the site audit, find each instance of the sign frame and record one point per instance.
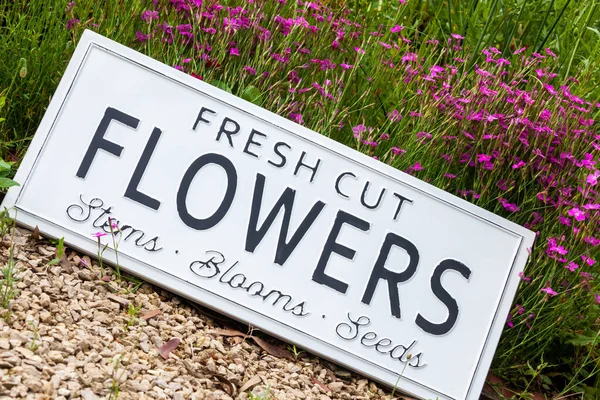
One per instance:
(160, 278)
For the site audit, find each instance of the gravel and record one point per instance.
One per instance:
(74, 332)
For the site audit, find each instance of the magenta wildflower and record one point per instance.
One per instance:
(549, 290)
(518, 165)
(98, 234)
(597, 297)
(346, 66)
(397, 150)
(457, 36)
(141, 36)
(572, 266)
(359, 50)
(148, 15)
(394, 116)
(524, 278)
(396, 28)
(358, 130)
(296, 117)
(71, 23)
(577, 213)
(449, 176)
(588, 261)
(234, 51)
(250, 70)
(592, 179)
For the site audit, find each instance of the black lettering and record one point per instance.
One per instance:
(302, 164)
(84, 215)
(339, 179)
(99, 142)
(228, 133)
(254, 236)
(392, 278)
(444, 297)
(252, 142)
(276, 150)
(385, 342)
(201, 117)
(368, 336)
(188, 177)
(402, 200)
(364, 194)
(132, 191)
(360, 321)
(331, 246)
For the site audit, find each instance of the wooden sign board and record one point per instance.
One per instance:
(250, 214)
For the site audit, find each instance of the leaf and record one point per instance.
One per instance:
(168, 347)
(35, 234)
(221, 85)
(252, 94)
(2, 119)
(2, 102)
(317, 382)
(581, 340)
(4, 167)
(250, 383)
(151, 313)
(228, 386)
(272, 349)
(6, 183)
(227, 332)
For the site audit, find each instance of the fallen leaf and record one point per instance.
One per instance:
(228, 386)
(107, 278)
(250, 383)
(317, 382)
(495, 389)
(168, 347)
(272, 349)
(151, 313)
(331, 375)
(35, 234)
(227, 332)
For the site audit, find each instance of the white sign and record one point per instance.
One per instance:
(270, 223)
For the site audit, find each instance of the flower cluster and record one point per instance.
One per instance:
(500, 129)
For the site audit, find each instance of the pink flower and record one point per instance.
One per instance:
(396, 29)
(98, 234)
(296, 117)
(577, 213)
(71, 23)
(142, 37)
(549, 291)
(592, 178)
(234, 51)
(483, 157)
(524, 278)
(397, 150)
(518, 165)
(358, 130)
(457, 36)
(588, 260)
(417, 166)
(148, 15)
(572, 266)
(597, 296)
(449, 176)
(346, 66)
(250, 70)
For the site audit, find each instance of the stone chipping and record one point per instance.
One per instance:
(72, 331)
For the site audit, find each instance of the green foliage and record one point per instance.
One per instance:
(60, 251)
(553, 346)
